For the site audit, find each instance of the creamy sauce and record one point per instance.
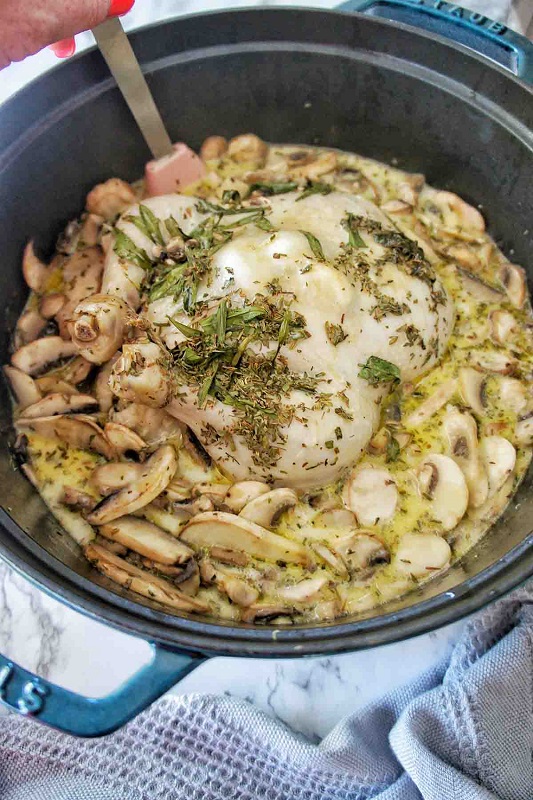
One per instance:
(461, 337)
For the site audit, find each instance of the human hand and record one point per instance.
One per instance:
(25, 28)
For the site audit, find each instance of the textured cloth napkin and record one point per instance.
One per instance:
(462, 732)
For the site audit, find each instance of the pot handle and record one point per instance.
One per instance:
(470, 28)
(29, 695)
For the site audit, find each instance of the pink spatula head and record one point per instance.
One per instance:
(174, 166)
(173, 172)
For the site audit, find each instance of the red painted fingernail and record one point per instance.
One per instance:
(119, 7)
(64, 48)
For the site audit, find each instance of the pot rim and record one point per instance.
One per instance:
(215, 638)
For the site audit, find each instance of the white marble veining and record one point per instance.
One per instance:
(309, 695)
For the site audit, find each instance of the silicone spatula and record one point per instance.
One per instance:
(174, 166)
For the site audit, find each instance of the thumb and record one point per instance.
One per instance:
(25, 28)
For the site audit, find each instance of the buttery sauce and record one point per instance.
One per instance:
(456, 386)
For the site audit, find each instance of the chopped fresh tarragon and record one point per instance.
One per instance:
(354, 237)
(378, 370)
(315, 187)
(315, 245)
(125, 248)
(274, 188)
(148, 224)
(335, 333)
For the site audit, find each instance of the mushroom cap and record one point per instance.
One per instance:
(442, 481)
(78, 430)
(472, 385)
(266, 509)
(499, 458)
(98, 326)
(24, 388)
(156, 474)
(243, 492)
(461, 430)
(35, 356)
(419, 554)
(146, 539)
(58, 403)
(371, 493)
(220, 529)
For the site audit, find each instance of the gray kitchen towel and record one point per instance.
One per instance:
(462, 732)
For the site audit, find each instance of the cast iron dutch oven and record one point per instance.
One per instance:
(357, 82)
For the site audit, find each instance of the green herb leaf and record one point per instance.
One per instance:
(378, 370)
(393, 450)
(231, 196)
(338, 433)
(174, 229)
(264, 224)
(335, 333)
(274, 188)
(206, 384)
(315, 187)
(169, 283)
(191, 357)
(284, 327)
(330, 444)
(186, 330)
(315, 245)
(125, 248)
(221, 316)
(148, 224)
(354, 237)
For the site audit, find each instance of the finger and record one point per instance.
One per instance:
(67, 47)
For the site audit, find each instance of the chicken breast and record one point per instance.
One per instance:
(371, 312)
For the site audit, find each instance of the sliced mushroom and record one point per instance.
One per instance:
(267, 612)
(432, 404)
(473, 388)
(216, 492)
(442, 481)
(186, 577)
(513, 394)
(24, 387)
(219, 529)
(36, 356)
(266, 509)
(156, 474)
(464, 255)
(492, 361)
(141, 375)
(140, 581)
(524, 429)
(51, 304)
(146, 539)
(238, 590)
(47, 384)
(464, 216)
(123, 439)
(335, 519)
(242, 493)
(513, 279)
(109, 478)
(179, 490)
(333, 560)
(302, 592)
(478, 288)
(213, 147)
(461, 430)
(362, 551)
(99, 326)
(57, 403)
(502, 326)
(370, 492)
(29, 327)
(248, 149)
(82, 275)
(79, 431)
(77, 499)
(499, 458)
(36, 274)
(227, 556)
(421, 553)
(397, 207)
(102, 389)
(171, 521)
(75, 371)
(109, 199)
(113, 547)
(322, 164)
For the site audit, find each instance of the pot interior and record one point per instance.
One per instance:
(364, 86)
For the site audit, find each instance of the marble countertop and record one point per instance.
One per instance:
(309, 695)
